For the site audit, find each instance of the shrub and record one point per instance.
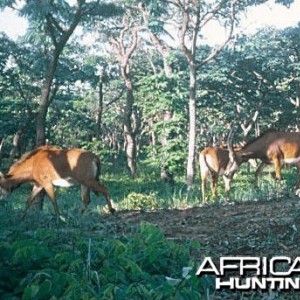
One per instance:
(71, 263)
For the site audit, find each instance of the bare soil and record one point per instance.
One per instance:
(264, 228)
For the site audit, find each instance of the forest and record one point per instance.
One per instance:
(139, 84)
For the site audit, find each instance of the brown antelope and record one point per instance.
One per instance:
(48, 166)
(213, 162)
(271, 147)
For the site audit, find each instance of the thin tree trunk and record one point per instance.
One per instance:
(165, 173)
(192, 128)
(130, 137)
(131, 119)
(16, 142)
(45, 100)
(41, 122)
(189, 52)
(190, 26)
(100, 109)
(2, 148)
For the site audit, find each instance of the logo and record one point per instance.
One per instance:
(246, 273)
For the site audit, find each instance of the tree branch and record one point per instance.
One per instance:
(217, 50)
(51, 30)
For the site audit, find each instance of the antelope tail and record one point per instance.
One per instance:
(210, 169)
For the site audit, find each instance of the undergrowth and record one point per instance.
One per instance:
(84, 257)
(44, 258)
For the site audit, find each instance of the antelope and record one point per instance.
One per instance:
(213, 162)
(48, 166)
(271, 147)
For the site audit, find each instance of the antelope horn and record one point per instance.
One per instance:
(230, 142)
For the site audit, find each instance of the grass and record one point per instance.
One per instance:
(243, 189)
(148, 192)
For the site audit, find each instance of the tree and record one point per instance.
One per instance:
(262, 77)
(154, 20)
(232, 84)
(17, 93)
(124, 42)
(56, 21)
(252, 84)
(193, 17)
(52, 23)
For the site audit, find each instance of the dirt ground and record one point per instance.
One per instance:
(264, 228)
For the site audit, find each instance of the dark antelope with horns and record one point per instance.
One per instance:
(48, 166)
(271, 147)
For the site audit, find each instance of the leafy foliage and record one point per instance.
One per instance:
(62, 262)
(160, 95)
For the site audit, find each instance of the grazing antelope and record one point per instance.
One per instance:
(213, 162)
(271, 147)
(48, 166)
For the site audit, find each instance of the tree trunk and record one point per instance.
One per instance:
(164, 51)
(131, 119)
(2, 149)
(45, 100)
(100, 109)
(48, 91)
(16, 142)
(165, 173)
(190, 25)
(41, 118)
(130, 136)
(130, 151)
(192, 128)
(190, 15)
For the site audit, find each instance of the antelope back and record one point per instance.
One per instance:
(214, 158)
